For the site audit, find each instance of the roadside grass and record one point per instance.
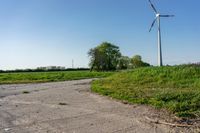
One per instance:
(176, 89)
(36, 77)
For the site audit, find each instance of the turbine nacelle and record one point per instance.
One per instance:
(158, 15)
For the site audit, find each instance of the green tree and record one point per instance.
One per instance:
(124, 62)
(104, 57)
(136, 62)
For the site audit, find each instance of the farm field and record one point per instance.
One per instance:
(38, 77)
(176, 89)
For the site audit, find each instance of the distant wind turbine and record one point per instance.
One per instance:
(158, 16)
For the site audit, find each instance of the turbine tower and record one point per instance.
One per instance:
(157, 18)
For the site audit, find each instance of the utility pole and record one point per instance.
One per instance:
(72, 63)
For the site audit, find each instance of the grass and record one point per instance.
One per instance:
(37, 77)
(176, 89)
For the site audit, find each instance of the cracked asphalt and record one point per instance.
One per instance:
(70, 107)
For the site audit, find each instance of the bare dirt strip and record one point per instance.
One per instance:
(70, 107)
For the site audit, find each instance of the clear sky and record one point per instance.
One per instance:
(53, 32)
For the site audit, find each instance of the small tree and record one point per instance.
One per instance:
(124, 62)
(136, 62)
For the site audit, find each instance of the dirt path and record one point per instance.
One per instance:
(70, 107)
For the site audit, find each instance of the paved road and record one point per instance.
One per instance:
(70, 107)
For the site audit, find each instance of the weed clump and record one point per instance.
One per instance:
(25, 92)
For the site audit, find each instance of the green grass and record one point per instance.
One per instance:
(176, 89)
(36, 77)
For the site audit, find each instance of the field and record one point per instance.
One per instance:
(36, 77)
(176, 89)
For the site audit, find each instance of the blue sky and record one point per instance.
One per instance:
(53, 32)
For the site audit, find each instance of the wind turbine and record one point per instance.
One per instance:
(157, 18)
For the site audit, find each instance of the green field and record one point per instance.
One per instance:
(176, 89)
(36, 77)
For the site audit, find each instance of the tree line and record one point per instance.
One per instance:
(107, 57)
(45, 69)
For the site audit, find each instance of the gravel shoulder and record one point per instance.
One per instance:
(70, 107)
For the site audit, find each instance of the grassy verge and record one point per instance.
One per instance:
(35, 77)
(176, 89)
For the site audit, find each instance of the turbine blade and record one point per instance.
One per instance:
(166, 15)
(152, 24)
(153, 7)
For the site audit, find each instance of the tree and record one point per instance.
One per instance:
(104, 57)
(136, 62)
(96, 59)
(124, 62)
